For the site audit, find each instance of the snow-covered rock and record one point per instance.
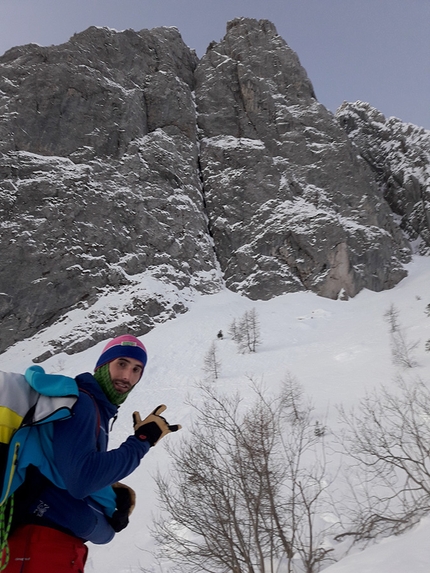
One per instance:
(399, 155)
(127, 163)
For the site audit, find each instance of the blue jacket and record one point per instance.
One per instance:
(80, 470)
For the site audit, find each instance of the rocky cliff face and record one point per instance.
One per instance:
(398, 154)
(133, 173)
(291, 204)
(100, 180)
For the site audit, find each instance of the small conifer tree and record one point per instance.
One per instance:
(212, 364)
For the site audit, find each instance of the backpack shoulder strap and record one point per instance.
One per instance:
(98, 417)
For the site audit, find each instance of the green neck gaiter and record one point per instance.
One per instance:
(102, 376)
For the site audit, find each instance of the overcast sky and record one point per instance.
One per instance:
(371, 50)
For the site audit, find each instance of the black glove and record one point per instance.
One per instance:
(125, 502)
(153, 427)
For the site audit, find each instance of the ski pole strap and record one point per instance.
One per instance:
(6, 514)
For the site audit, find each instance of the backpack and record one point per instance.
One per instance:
(26, 402)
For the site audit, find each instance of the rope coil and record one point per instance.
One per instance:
(6, 514)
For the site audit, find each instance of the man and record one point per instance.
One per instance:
(71, 494)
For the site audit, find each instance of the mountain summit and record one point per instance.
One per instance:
(129, 166)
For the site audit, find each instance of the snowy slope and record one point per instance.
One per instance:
(335, 349)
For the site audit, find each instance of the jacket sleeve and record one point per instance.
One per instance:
(84, 469)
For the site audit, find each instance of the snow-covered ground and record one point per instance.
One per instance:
(335, 349)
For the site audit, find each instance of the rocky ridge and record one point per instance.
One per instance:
(291, 205)
(398, 153)
(131, 171)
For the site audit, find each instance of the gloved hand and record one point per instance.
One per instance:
(153, 427)
(125, 503)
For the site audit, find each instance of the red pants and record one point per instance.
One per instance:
(36, 549)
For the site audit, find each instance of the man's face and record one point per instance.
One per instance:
(125, 373)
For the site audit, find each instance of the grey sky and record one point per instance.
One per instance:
(371, 50)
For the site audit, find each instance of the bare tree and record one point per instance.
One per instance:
(391, 315)
(244, 491)
(252, 329)
(246, 331)
(211, 363)
(389, 439)
(234, 330)
(402, 349)
(427, 311)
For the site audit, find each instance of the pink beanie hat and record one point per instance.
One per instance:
(125, 346)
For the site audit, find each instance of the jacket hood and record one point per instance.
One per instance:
(87, 382)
